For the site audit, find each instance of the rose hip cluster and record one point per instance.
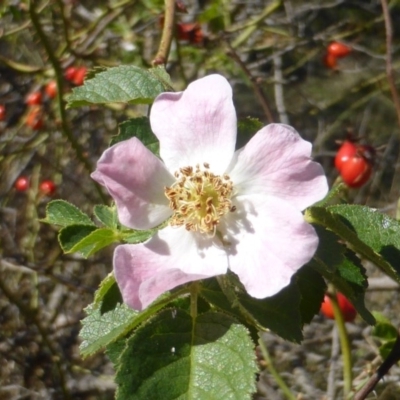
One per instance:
(355, 162)
(34, 99)
(190, 32)
(334, 51)
(46, 187)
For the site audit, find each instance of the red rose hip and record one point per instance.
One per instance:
(22, 184)
(79, 76)
(51, 89)
(69, 73)
(347, 150)
(348, 311)
(47, 187)
(356, 171)
(34, 118)
(34, 98)
(338, 49)
(2, 112)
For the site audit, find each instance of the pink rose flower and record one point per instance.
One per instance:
(226, 210)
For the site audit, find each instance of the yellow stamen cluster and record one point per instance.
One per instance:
(199, 199)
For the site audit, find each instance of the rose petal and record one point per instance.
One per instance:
(276, 162)
(269, 241)
(170, 258)
(135, 178)
(197, 125)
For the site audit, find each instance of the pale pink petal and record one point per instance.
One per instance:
(135, 178)
(170, 258)
(197, 125)
(269, 241)
(277, 162)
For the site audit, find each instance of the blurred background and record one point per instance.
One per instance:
(320, 66)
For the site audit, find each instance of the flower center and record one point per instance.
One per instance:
(199, 198)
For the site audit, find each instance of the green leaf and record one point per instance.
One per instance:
(123, 84)
(106, 215)
(351, 280)
(212, 294)
(352, 271)
(385, 332)
(104, 287)
(76, 238)
(134, 237)
(111, 299)
(107, 296)
(60, 212)
(379, 231)
(312, 290)
(343, 269)
(386, 348)
(330, 219)
(72, 235)
(162, 75)
(279, 313)
(140, 128)
(330, 252)
(114, 351)
(99, 330)
(175, 357)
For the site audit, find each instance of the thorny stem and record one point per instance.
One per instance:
(60, 100)
(32, 315)
(389, 67)
(93, 32)
(344, 345)
(167, 34)
(335, 351)
(278, 379)
(278, 86)
(392, 358)
(391, 79)
(256, 85)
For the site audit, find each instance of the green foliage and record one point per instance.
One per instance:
(386, 333)
(246, 129)
(123, 84)
(85, 239)
(374, 243)
(285, 313)
(114, 351)
(107, 296)
(60, 212)
(140, 128)
(70, 236)
(132, 236)
(106, 215)
(379, 231)
(104, 287)
(364, 231)
(80, 234)
(174, 356)
(312, 289)
(279, 313)
(99, 330)
(266, 43)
